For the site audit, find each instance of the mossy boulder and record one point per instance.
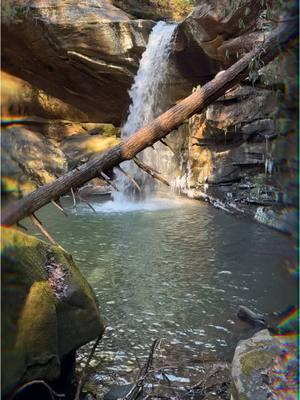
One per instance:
(48, 309)
(251, 366)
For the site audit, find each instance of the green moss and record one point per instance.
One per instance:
(41, 323)
(256, 359)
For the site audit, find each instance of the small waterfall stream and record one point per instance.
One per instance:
(148, 100)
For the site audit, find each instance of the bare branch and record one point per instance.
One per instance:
(42, 229)
(134, 182)
(150, 171)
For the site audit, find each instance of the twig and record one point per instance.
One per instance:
(40, 226)
(52, 393)
(86, 202)
(138, 386)
(83, 373)
(130, 178)
(74, 198)
(165, 378)
(108, 180)
(19, 225)
(150, 171)
(59, 206)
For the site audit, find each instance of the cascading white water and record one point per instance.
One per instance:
(147, 96)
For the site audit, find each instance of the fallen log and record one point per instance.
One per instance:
(154, 131)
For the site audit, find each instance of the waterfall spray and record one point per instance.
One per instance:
(147, 96)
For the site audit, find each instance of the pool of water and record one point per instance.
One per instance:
(173, 269)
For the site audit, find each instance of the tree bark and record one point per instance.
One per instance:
(154, 131)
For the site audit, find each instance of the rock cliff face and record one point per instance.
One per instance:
(242, 149)
(78, 62)
(84, 54)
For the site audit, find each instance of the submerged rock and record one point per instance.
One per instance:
(48, 309)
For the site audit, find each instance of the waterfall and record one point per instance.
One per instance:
(148, 100)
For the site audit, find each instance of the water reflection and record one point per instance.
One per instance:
(179, 273)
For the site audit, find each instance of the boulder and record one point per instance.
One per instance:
(256, 367)
(85, 54)
(48, 309)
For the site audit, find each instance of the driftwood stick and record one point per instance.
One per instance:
(52, 393)
(150, 171)
(156, 129)
(42, 229)
(57, 204)
(73, 197)
(138, 386)
(108, 180)
(83, 373)
(86, 202)
(132, 180)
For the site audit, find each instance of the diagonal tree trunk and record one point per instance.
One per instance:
(154, 131)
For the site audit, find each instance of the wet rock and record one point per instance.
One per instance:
(48, 309)
(263, 127)
(285, 220)
(250, 365)
(246, 314)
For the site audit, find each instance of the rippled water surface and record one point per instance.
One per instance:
(174, 270)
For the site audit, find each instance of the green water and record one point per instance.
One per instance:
(176, 270)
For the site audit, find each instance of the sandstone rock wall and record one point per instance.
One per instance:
(84, 54)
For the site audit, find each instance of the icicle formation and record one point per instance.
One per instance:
(146, 94)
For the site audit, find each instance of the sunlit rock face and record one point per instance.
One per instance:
(221, 137)
(19, 99)
(28, 160)
(242, 148)
(217, 29)
(83, 53)
(35, 131)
